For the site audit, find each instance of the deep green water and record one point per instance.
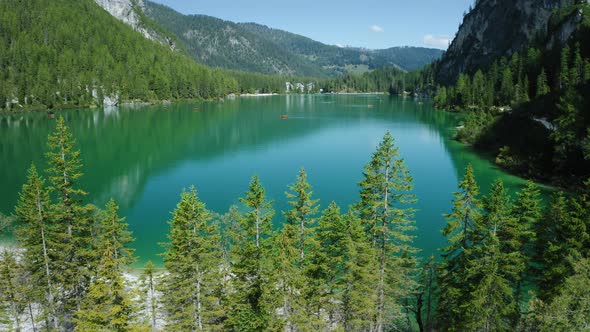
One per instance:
(144, 156)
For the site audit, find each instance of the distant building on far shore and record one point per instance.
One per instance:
(299, 87)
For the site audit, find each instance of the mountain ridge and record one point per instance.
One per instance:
(259, 48)
(517, 23)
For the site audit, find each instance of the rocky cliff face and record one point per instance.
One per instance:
(130, 12)
(496, 28)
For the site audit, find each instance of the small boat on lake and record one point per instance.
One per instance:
(284, 116)
(51, 114)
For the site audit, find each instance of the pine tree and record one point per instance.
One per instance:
(479, 89)
(247, 310)
(288, 293)
(299, 219)
(517, 237)
(13, 292)
(107, 305)
(460, 233)
(327, 264)
(586, 70)
(564, 68)
(568, 311)
(542, 86)
(489, 305)
(33, 234)
(576, 75)
(72, 243)
(148, 285)
(525, 96)
(113, 230)
(359, 276)
(425, 295)
(387, 217)
(192, 261)
(560, 235)
(507, 87)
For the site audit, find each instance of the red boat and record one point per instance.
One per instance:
(284, 116)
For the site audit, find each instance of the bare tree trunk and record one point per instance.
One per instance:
(257, 228)
(199, 304)
(32, 317)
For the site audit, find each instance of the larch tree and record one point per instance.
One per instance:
(326, 266)
(460, 233)
(359, 274)
(73, 242)
(516, 236)
(385, 209)
(568, 311)
(148, 293)
(107, 305)
(300, 219)
(291, 246)
(13, 290)
(288, 280)
(113, 229)
(247, 310)
(488, 305)
(561, 234)
(34, 234)
(192, 260)
(542, 85)
(425, 296)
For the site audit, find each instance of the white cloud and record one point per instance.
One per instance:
(376, 28)
(437, 41)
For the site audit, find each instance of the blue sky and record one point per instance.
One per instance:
(366, 23)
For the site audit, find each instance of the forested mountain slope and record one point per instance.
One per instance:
(527, 95)
(74, 53)
(257, 48)
(496, 28)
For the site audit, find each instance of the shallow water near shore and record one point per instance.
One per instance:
(144, 156)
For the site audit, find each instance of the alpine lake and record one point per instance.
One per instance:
(144, 156)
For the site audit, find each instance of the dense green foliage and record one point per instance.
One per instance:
(353, 271)
(257, 48)
(529, 109)
(389, 79)
(492, 254)
(89, 55)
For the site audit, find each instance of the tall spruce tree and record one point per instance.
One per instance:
(113, 230)
(488, 305)
(34, 234)
(385, 209)
(288, 292)
(564, 71)
(359, 274)
(300, 219)
(74, 256)
(327, 265)
(516, 241)
(148, 294)
(460, 233)
(250, 258)
(568, 311)
(560, 235)
(107, 306)
(542, 85)
(13, 290)
(295, 238)
(192, 261)
(425, 296)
